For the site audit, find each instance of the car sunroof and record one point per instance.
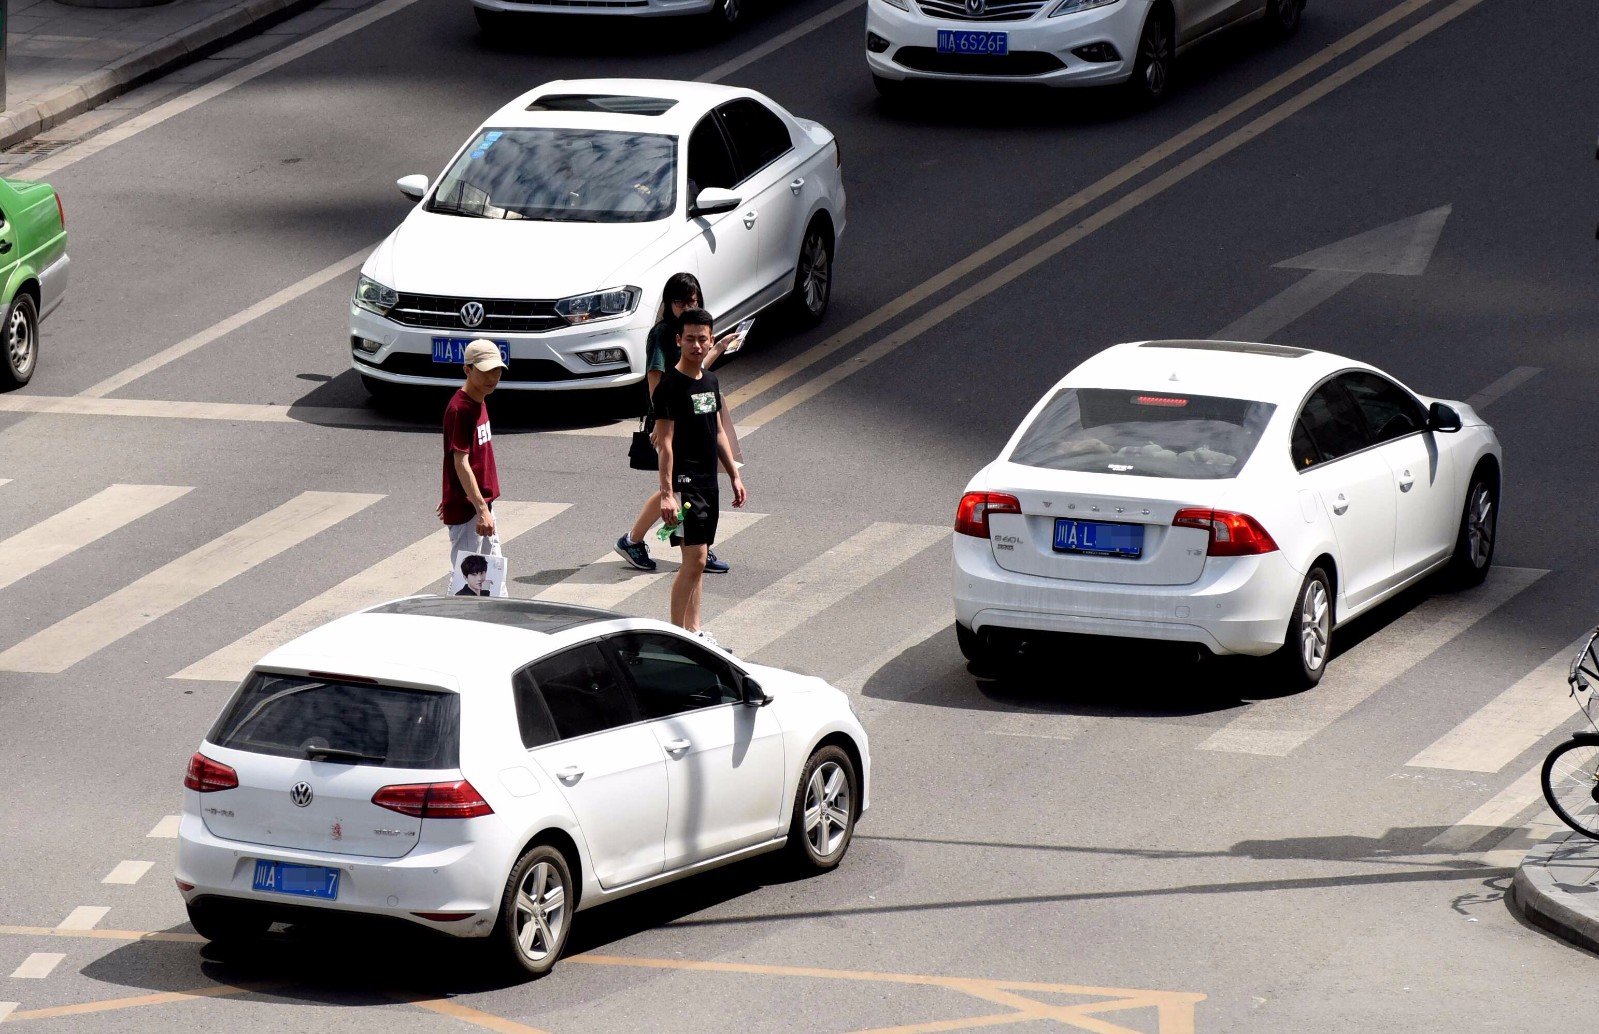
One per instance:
(609, 103)
(529, 614)
(1244, 347)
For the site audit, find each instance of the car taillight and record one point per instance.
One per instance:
(1231, 534)
(208, 776)
(972, 516)
(455, 800)
(61, 210)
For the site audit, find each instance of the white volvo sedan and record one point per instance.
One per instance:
(555, 226)
(1245, 498)
(487, 768)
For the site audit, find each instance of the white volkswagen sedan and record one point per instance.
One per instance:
(1246, 498)
(487, 768)
(554, 228)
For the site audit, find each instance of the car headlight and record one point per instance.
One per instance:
(903, 5)
(1074, 6)
(374, 297)
(601, 305)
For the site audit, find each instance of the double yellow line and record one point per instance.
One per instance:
(1044, 251)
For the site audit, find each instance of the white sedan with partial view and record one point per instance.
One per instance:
(488, 768)
(1245, 498)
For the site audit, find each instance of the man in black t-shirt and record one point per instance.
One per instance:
(687, 404)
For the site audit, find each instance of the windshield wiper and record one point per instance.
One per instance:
(341, 754)
(449, 208)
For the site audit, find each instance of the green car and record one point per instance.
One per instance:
(33, 272)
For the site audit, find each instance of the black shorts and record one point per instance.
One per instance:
(699, 524)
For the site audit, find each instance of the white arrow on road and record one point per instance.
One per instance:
(1398, 249)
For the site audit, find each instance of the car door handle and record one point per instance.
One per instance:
(677, 746)
(569, 774)
(1406, 480)
(1340, 504)
(749, 219)
(797, 184)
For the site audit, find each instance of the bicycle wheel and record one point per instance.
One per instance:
(1571, 785)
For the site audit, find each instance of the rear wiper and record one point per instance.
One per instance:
(342, 755)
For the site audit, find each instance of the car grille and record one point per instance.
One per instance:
(540, 371)
(500, 314)
(1021, 62)
(1017, 11)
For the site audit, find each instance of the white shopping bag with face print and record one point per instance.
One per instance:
(479, 574)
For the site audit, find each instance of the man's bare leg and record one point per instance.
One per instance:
(686, 588)
(646, 518)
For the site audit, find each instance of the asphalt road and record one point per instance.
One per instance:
(1076, 847)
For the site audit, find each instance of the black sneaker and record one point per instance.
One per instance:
(715, 566)
(637, 554)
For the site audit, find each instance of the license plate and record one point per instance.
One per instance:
(1099, 538)
(453, 349)
(308, 881)
(952, 41)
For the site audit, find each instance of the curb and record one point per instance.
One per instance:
(216, 32)
(1553, 889)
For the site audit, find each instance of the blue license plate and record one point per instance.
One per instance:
(453, 349)
(953, 41)
(1099, 538)
(308, 881)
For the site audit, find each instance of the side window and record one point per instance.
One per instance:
(1391, 411)
(759, 136)
(1304, 449)
(581, 694)
(1332, 423)
(670, 675)
(710, 164)
(533, 718)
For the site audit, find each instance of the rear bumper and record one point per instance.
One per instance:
(1238, 605)
(53, 285)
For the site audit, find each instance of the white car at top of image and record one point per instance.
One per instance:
(487, 768)
(1052, 42)
(555, 226)
(1245, 498)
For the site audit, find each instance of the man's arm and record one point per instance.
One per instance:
(474, 495)
(724, 452)
(663, 430)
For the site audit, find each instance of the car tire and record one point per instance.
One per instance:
(975, 646)
(813, 275)
(1283, 17)
(817, 842)
(1303, 657)
(1152, 65)
(21, 344)
(726, 17)
(1478, 532)
(535, 912)
(380, 391)
(223, 922)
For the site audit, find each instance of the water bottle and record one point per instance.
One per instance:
(665, 531)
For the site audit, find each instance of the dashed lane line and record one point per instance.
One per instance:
(1503, 386)
(467, 1014)
(167, 828)
(778, 42)
(38, 965)
(84, 917)
(127, 872)
(56, 1012)
(6, 1009)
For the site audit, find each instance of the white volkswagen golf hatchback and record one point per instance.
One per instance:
(487, 768)
(1246, 498)
(553, 229)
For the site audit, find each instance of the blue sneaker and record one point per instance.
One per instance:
(637, 554)
(715, 566)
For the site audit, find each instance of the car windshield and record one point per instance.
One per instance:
(1144, 434)
(562, 175)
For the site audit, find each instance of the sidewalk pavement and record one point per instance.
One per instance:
(64, 60)
(1556, 888)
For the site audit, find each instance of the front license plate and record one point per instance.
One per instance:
(453, 349)
(952, 41)
(308, 881)
(1099, 538)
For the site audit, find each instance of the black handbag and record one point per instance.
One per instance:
(641, 454)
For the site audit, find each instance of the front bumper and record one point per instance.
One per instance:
(631, 8)
(1040, 48)
(1238, 605)
(546, 362)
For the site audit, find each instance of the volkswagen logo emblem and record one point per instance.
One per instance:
(301, 794)
(976, 7)
(472, 312)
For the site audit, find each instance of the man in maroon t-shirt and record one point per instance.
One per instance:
(471, 483)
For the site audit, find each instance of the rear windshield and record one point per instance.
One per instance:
(1143, 433)
(293, 716)
(562, 175)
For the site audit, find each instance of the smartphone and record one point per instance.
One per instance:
(739, 334)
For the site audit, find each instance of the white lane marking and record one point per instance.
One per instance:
(1508, 724)
(609, 581)
(70, 640)
(38, 965)
(1508, 853)
(75, 527)
(84, 917)
(1503, 386)
(6, 1009)
(778, 42)
(200, 94)
(1287, 306)
(127, 872)
(405, 573)
(167, 828)
(1275, 727)
(1497, 812)
(5, 481)
(189, 344)
(794, 599)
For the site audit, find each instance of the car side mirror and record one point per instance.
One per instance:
(1442, 418)
(713, 200)
(413, 186)
(754, 695)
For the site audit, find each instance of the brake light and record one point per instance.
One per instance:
(61, 210)
(456, 800)
(1160, 400)
(972, 516)
(1231, 534)
(208, 776)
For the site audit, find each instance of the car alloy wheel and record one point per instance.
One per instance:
(1152, 68)
(824, 811)
(813, 277)
(1285, 15)
(535, 913)
(1480, 526)
(1315, 625)
(22, 341)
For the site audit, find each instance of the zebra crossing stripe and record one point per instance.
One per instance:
(780, 608)
(1499, 812)
(405, 573)
(1510, 723)
(75, 527)
(1276, 727)
(70, 640)
(609, 581)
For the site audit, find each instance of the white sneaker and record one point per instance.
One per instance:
(711, 639)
